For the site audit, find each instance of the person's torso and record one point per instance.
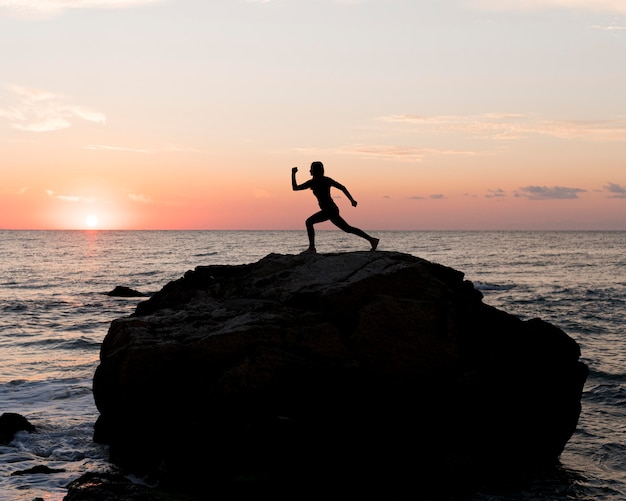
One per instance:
(321, 189)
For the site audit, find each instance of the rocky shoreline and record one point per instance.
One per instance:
(359, 372)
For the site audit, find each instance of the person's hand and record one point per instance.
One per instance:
(353, 203)
(294, 170)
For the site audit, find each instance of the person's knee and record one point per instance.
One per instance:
(313, 220)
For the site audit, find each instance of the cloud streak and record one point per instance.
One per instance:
(533, 5)
(42, 111)
(513, 126)
(108, 147)
(140, 198)
(12, 190)
(69, 198)
(498, 193)
(554, 193)
(144, 151)
(52, 7)
(402, 153)
(611, 27)
(615, 190)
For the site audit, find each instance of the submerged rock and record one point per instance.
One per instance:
(10, 424)
(123, 291)
(363, 370)
(37, 470)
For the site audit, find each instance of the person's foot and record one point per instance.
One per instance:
(374, 242)
(310, 250)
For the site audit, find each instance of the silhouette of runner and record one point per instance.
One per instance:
(320, 184)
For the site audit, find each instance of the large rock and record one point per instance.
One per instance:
(365, 370)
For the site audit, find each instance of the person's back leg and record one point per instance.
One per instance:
(341, 223)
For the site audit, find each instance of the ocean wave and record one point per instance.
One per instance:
(60, 344)
(486, 286)
(80, 344)
(207, 254)
(15, 307)
(611, 455)
(612, 393)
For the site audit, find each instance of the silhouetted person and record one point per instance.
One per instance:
(320, 184)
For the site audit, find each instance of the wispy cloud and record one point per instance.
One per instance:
(69, 198)
(180, 148)
(138, 197)
(593, 130)
(403, 153)
(611, 27)
(346, 2)
(616, 190)
(530, 5)
(512, 126)
(13, 190)
(42, 111)
(108, 147)
(128, 149)
(45, 8)
(396, 152)
(499, 193)
(554, 193)
(434, 196)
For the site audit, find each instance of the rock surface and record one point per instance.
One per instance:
(113, 487)
(364, 370)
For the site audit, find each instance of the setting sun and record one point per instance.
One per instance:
(91, 221)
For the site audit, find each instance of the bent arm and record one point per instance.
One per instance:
(294, 184)
(345, 192)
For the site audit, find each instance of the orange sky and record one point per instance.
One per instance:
(189, 115)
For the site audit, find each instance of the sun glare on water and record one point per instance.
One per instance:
(91, 221)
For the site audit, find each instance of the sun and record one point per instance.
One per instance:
(91, 221)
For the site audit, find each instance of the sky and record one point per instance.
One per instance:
(435, 114)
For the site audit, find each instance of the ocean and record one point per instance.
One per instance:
(54, 314)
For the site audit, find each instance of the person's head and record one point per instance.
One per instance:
(317, 169)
